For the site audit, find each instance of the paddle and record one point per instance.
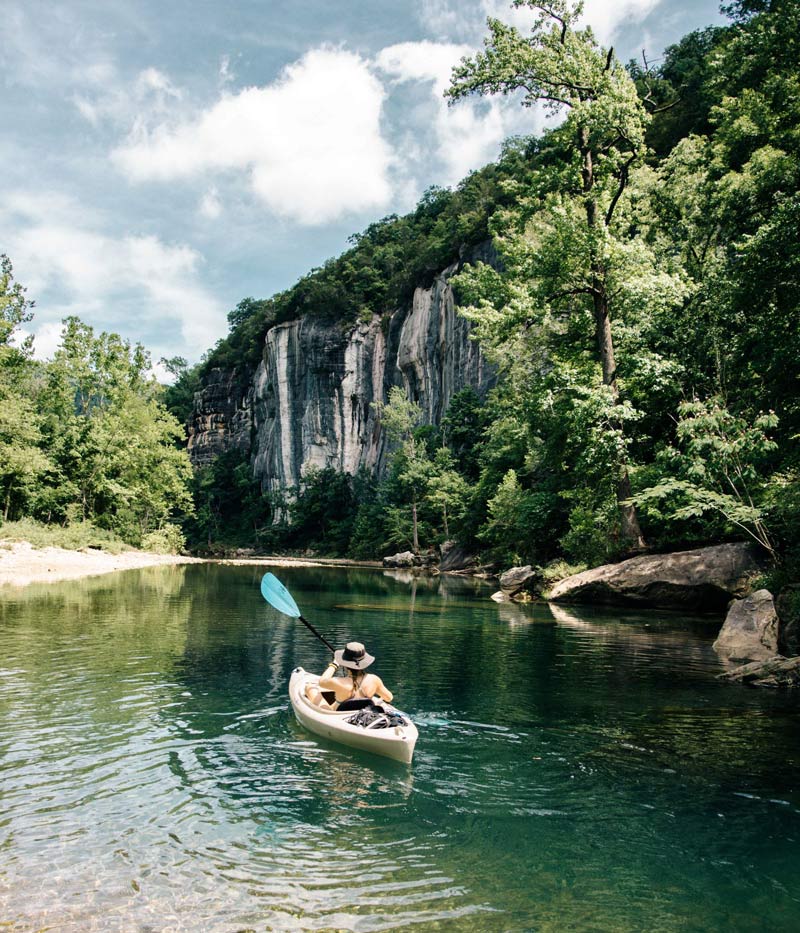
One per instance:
(278, 596)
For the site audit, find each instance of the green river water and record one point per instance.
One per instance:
(576, 770)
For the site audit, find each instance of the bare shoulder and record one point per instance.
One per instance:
(371, 683)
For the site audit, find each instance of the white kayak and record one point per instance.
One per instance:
(394, 741)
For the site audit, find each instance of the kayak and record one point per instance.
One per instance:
(392, 741)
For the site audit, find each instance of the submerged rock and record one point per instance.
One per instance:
(703, 579)
(750, 631)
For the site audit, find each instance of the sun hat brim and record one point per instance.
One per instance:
(363, 662)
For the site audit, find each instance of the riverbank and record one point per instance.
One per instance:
(22, 564)
(299, 562)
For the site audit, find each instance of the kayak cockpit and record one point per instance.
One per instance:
(377, 728)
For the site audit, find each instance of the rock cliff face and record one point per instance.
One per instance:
(309, 403)
(222, 417)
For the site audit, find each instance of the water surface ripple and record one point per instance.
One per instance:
(576, 770)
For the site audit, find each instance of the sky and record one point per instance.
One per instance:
(163, 160)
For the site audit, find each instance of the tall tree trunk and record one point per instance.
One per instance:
(415, 542)
(629, 523)
(631, 532)
(8, 500)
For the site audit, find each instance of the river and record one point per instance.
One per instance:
(576, 770)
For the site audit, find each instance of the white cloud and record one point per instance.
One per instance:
(469, 134)
(210, 205)
(468, 21)
(46, 340)
(310, 143)
(104, 97)
(606, 16)
(136, 285)
(422, 61)
(226, 76)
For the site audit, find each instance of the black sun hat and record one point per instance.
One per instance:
(353, 655)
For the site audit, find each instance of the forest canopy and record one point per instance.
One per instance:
(643, 312)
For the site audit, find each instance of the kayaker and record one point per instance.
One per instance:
(351, 690)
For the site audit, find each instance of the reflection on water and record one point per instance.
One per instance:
(576, 770)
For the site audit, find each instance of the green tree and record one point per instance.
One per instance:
(718, 469)
(15, 310)
(577, 233)
(447, 490)
(113, 442)
(400, 418)
(22, 461)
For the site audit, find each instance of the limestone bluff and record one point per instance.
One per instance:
(308, 404)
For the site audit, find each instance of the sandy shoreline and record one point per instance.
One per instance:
(22, 564)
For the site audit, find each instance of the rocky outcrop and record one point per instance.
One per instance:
(750, 632)
(705, 579)
(222, 418)
(403, 559)
(456, 559)
(519, 580)
(309, 403)
(775, 672)
(787, 605)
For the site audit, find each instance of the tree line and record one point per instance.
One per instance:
(86, 439)
(644, 313)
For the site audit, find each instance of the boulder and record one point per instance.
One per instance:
(704, 579)
(403, 559)
(500, 597)
(456, 559)
(518, 579)
(776, 672)
(750, 632)
(787, 605)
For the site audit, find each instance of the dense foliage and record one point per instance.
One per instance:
(86, 439)
(645, 313)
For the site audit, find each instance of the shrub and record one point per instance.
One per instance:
(166, 540)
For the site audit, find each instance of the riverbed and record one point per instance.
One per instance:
(576, 769)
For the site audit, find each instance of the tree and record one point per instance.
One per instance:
(447, 490)
(179, 397)
(400, 417)
(15, 308)
(719, 469)
(113, 442)
(562, 67)
(22, 461)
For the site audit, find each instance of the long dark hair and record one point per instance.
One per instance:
(356, 681)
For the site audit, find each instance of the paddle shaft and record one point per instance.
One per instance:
(311, 628)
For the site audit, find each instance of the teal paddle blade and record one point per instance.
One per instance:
(278, 596)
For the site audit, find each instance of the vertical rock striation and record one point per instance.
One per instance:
(309, 403)
(222, 416)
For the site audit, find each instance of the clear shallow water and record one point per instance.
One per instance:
(583, 771)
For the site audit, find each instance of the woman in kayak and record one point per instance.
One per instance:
(350, 691)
